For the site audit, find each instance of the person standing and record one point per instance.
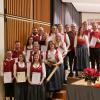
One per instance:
(81, 50)
(8, 66)
(20, 68)
(36, 73)
(95, 48)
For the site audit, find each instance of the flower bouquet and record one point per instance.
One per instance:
(91, 75)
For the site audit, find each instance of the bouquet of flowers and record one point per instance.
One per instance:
(91, 74)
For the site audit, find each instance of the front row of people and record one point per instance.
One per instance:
(25, 81)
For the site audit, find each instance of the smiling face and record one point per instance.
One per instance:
(36, 57)
(21, 58)
(35, 46)
(17, 45)
(52, 46)
(58, 37)
(30, 40)
(9, 55)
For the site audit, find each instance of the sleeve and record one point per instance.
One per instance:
(67, 41)
(75, 41)
(28, 69)
(14, 69)
(87, 42)
(60, 57)
(44, 70)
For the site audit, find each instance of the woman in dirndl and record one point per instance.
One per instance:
(20, 86)
(81, 50)
(54, 59)
(36, 74)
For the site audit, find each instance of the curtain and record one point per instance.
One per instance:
(65, 13)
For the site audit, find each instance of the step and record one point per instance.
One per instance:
(61, 94)
(64, 87)
(72, 79)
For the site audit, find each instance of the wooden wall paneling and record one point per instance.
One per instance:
(35, 9)
(31, 8)
(38, 12)
(28, 10)
(22, 33)
(7, 6)
(25, 8)
(11, 7)
(17, 29)
(17, 10)
(20, 7)
(45, 9)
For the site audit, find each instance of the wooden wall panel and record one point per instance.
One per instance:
(21, 16)
(17, 30)
(20, 8)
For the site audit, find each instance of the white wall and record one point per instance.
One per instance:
(1, 31)
(90, 17)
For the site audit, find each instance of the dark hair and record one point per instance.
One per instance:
(40, 59)
(24, 60)
(48, 48)
(79, 31)
(28, 41)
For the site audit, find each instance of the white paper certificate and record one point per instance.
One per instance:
(93, 41)
(36, 77)
(7, 77)
(21, 77)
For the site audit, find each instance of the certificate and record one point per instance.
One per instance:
(7, 77)
(21, 77)
(93, 41)
(36, 77)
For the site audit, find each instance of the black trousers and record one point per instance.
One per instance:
(72, 61)
(95, 57)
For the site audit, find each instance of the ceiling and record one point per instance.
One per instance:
(85, 5)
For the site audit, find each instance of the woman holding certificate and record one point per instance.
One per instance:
(8, 75)
(20, 74)
(54, 59)
(36, 74)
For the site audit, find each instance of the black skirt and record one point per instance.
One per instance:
(56, 82)
(9, 89)
(82, 57)
(36, 92)
(20, 91)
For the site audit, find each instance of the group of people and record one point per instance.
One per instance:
(61, 48)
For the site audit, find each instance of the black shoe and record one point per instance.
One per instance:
(70, 74)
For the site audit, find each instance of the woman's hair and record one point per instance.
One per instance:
(48, 48)
(24, 60)
(40, 59)
(79, 31)
(28, 41)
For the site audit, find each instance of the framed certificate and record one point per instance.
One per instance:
(21, 77)
(93, 41)
(7, 77)
(36, 77)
